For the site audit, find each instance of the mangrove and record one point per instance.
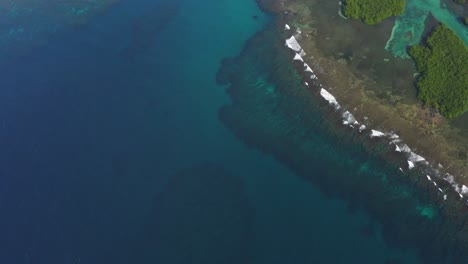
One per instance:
(443, 72)
(373, 11)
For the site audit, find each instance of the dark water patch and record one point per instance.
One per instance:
(272, 110)
(88, 137)
(146, 27)
(202, 217)
(28, 24)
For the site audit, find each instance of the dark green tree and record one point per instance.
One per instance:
(373, 11)
(443, 67)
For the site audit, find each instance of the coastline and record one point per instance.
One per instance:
(273, 111)
(282, 103)
(427, 134)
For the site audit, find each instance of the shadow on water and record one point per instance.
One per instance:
(146, 27)
(203, 216)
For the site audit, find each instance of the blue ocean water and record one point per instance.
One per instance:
(103, 124)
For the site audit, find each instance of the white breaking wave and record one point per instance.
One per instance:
(393, 136)
(293, 44)
(376, 133)
(464, 190)
(404, 148)
(298, 57)
(397, 148)
(348, 119)
(361, 128)
(450, 179)
(415, 157)
(330, 98)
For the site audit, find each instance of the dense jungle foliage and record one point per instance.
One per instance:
(443, 67)
(373, 11)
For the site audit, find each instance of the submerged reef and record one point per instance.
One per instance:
(202, 216)
(373, 11)
(443, 66)
(27, 23)
(276, 110)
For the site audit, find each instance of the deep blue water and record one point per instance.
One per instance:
(96, 122)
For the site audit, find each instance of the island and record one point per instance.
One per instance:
(341, 80)
(443, 72)
(373, 11)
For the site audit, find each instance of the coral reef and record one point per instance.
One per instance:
(274, 111)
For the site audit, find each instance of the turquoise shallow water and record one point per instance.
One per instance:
(113, 150)
(409, 27)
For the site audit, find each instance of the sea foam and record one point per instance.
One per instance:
(293, 44)
(298, 57)
(307, 68)
(415, 157)
(348, 119)
(376, 133)
(330, 98)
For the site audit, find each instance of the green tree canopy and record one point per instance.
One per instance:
(373, 11)
(443, 67)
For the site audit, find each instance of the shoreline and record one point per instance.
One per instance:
(273, 111)
(410, 121)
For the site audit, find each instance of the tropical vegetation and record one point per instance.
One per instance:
(373, 11)
(443, 66)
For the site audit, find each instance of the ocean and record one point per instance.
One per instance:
(118, 145)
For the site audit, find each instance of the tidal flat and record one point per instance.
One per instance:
(352, 107)
(350, 59)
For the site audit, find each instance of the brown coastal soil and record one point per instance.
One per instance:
(349, 59)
